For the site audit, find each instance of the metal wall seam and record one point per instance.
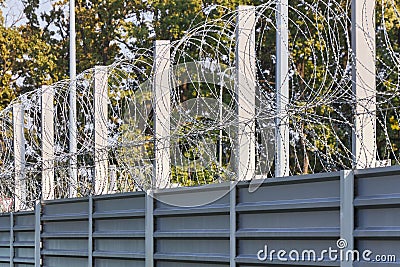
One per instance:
(232, 220)
(347, 213)
(90, 232)
(149, 230)
(38, 248)
(11, 239)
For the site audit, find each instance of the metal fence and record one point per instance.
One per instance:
(309, 212)
(278, 89)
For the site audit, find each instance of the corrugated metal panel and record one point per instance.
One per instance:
(5, 228)
(300, 213)
(195, 235)
(17, 239)
(65, 230)
(119, 230)
(24, 239)
(377, 213)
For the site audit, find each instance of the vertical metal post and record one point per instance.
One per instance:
(149, 230)
(47, 143)
(19, 157)
(347, 212)
(246, 91)
(364, 85)
(38, 209)
(90, 232)
(162, 112)
(232, 220)
(73, 168)
(282, 89)
(11, 239)
(100, 130)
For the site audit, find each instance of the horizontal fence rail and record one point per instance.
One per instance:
(216, 225)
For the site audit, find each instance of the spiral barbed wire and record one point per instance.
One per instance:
(203, 130)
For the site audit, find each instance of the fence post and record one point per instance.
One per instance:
(162, 113)
(246, 91)
(90, 232)
(38, 209)
(19, 157)
(11, 239)
(47, 143)
(100, 130)
(232, 220)
(364, 84)
(347, 213)
(149, 229)
(73, 161)
(282, 90)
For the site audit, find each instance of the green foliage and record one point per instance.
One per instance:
(388, 71)
(25, 62)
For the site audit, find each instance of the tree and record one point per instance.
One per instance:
(26, 60)
(388, 45)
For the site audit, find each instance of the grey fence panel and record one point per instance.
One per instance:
(301, 213)
(5, 229)
(377, 215)
(191, 227)
(65, 231)
(24, 239)
(119, 230)
(17, 239)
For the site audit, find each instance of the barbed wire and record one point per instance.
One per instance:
(203, 126)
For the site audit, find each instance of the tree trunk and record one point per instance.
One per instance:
(306, 161)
